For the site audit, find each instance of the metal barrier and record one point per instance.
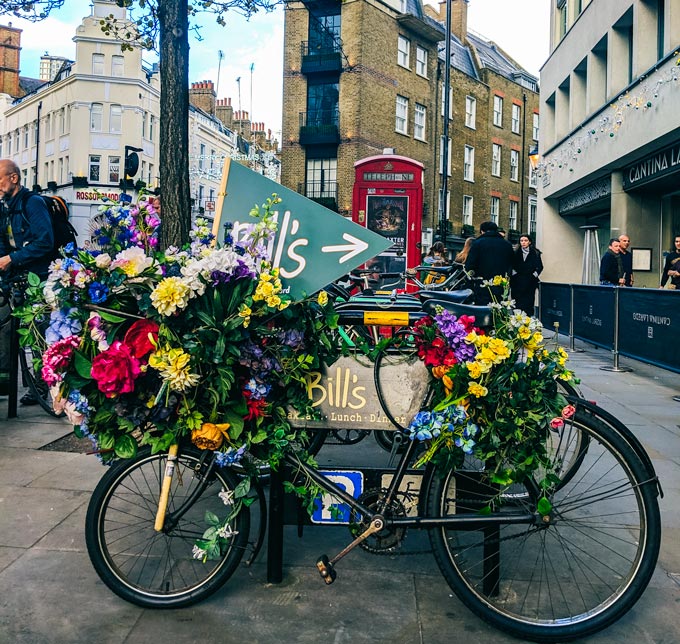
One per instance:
(635, 322)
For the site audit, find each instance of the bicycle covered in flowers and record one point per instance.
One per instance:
(187, 364)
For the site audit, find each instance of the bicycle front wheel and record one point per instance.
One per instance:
(31, 379)
(566, 575)
(156, 569)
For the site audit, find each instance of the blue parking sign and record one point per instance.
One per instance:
(327, 507)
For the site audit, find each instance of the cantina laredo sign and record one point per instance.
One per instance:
(660, 164)
(91, 195)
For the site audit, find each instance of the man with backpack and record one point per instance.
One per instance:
(26, 233)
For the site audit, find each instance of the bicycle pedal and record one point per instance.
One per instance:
(326, 569)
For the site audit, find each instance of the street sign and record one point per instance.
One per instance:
(209, 205)
(313, 246)
(328, 509)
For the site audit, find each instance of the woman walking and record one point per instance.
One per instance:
(526, 267)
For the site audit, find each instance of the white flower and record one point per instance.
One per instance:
(103, 260)
(227, 496)
(132, 261)
(225, 532)
(198, 553)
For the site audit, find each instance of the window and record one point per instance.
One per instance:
(534, 132)
(440, 205)
(421, 61)
(467, 210)
(61, 170)
(514, 165)
(494, 209)
(470, 111)
(35, 132)
(419, 121)
(512, 222)
(498, 111)
(98, 64)
(532, 214)
(152, 123)
(116, 119)
(114, 169)
(495, 160)
(48, 129)
(441, 156)
(401, 124)
(26, 137)
(150, 176)
(212, 160)
(516, 117)
(324, 32)
(96, 111)
(9, 145)
(201, 157)
(62, 121)
(144, 117)
(322, 181)
(95, 164)
(450, 101)
(117, 65)
(469, 164)
(403, 49)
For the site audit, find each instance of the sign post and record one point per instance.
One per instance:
(313, 245)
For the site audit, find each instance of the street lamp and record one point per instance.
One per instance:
(534, 157)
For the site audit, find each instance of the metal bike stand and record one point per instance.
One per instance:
(616, 367)
(13, 368)
(275, 528)
(572, 348)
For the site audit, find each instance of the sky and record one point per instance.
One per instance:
(520, 27)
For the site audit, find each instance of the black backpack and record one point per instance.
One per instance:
(64, 232)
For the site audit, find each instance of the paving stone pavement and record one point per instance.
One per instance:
(49, 592)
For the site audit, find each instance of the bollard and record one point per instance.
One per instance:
(616, 367)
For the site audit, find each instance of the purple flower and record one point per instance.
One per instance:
(454, 333)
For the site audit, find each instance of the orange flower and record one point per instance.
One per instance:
(448, 384)
(440, 371)
(210, 435)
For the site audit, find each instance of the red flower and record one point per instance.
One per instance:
(255, 408)
(115, 370)
(436, 353)
(468, 322)
(139, 338)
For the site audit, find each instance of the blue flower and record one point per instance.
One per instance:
(98, 292)
(63, 324)
(231, 456)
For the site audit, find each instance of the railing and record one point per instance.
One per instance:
(319, 126)
(323, 192)
(321, 56)
(640, 323)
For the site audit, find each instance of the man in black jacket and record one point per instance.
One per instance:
(611, 266)
(490, 255)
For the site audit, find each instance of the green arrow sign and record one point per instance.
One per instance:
(313, 245)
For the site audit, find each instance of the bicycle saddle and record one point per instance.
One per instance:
(483, 314)
(461, 295)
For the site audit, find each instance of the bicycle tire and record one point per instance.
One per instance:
(156, 569)
(589, 564)
(349, 436)
(35, 384)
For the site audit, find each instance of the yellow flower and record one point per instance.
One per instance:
(499, 280)
(284, 304)
(322, 298)
(448, 384)
(210, 435)
(524, 333)
(475, 369)
(273, 301)
(477, 390)
(170, 294)
(175, 368)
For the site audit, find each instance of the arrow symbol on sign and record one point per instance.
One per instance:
(355, 246)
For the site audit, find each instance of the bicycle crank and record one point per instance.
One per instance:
(326, 566)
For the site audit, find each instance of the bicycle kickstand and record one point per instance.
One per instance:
(326, 566)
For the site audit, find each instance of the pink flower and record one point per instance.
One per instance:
(115, 370)
(57, 359)
(568, 411)
(556, 423)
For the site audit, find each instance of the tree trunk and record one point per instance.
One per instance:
(174, 122)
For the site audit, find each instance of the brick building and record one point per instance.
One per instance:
(362, 76)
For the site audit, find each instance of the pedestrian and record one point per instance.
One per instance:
(26, 235)
(489, 255)
(462, 255)
(626, 258)
(611, 265)
(671, 269)
(436, 256)
(526, 267)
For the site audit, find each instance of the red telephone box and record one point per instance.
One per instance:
(388, 199)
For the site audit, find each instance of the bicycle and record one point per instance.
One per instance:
(12, 295)
(546, 566)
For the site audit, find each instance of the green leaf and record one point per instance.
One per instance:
(83, 366)
(33, 279)
(242, 489)
(211, 519)
(125, 446)
(544, 507)
(236, 423)
(259, 437)
(110, 317)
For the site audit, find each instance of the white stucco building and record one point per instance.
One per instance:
(610, 132)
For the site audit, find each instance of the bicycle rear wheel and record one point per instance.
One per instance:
(565, 577)
(28, 357)
(157, 569)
